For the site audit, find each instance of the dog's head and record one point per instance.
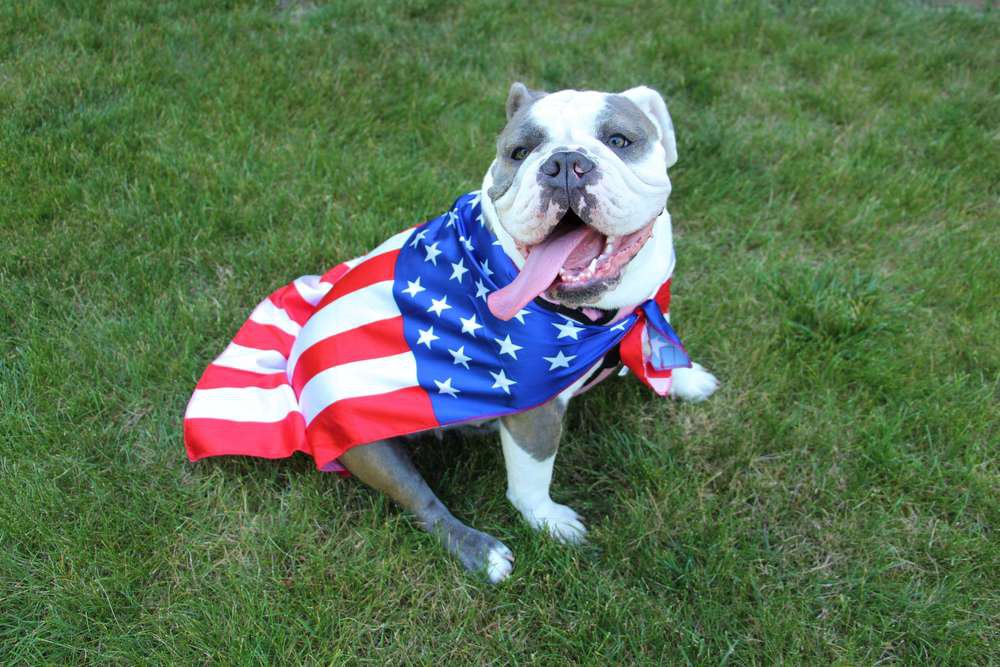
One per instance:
(575, 192)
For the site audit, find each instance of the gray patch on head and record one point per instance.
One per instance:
(620, 115)
(520, 131)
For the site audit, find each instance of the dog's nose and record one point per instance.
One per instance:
(567, 169)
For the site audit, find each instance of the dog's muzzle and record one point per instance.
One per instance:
(564, 177)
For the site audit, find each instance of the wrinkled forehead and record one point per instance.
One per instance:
(570, 115)
(576, 117)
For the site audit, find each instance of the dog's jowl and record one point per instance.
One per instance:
(552, 276)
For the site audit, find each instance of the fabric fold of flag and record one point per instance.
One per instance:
(401, 341)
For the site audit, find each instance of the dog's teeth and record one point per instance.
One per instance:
(593, 265)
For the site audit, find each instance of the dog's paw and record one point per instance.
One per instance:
(692, 384)
(478, 551)
(557, 520)
(499, 563)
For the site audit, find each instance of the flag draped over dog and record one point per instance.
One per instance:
(401, 341)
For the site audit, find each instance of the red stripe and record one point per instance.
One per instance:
(653, 372)
(374, 270)
(662, 297)
(377, 339)
(335, 274)
(217, 377)
(355, 421)
(264, 337)
(290, 299)
(630, 348)
(271, 440)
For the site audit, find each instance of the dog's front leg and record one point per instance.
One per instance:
(530, 440)
(386, 466)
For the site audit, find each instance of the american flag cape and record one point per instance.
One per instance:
(401, 341)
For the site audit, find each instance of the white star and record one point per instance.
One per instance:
(481, 290)
(568, 329)
(432, 253)
(418, 237)
(559, 361)
(460, 357)
(479, 218)
(438, 306)
(470, 325)
(620, 326)
(426, 337)
(501, 381)
(458, 270)
(478, 196)
(520, 315)
(486, 268)
(466, 242)
(452, 217)
(413, 287)
(446, 388)
(508, 347)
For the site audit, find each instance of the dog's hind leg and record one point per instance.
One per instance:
(386, 466)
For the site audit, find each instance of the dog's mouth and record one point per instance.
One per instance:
(573, 258)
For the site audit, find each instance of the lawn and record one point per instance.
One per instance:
(164, 165)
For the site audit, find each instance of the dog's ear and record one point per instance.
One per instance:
(652, 104)
(521, 96)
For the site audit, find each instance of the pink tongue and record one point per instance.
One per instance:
(539, 270)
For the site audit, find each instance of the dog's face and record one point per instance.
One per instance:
(575, 193)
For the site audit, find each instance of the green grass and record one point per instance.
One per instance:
(163, 165)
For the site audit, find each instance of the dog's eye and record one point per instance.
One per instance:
(519, 153)
(618, 141)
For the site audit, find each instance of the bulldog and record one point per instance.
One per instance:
(576, 197)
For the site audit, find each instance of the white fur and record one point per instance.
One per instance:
(499, 564)
(693, 384)
(528, 484)
(629, 196)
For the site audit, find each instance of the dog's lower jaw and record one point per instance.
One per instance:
(579, 298)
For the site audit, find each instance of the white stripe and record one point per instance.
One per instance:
(392, 243)
(311, 289)
(660, 385)
(358, 378)
(355, 309)
(251, 359)
(245, 404)
(268, 313)
(363, 306)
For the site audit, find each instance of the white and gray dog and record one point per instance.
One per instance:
(602, 159)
